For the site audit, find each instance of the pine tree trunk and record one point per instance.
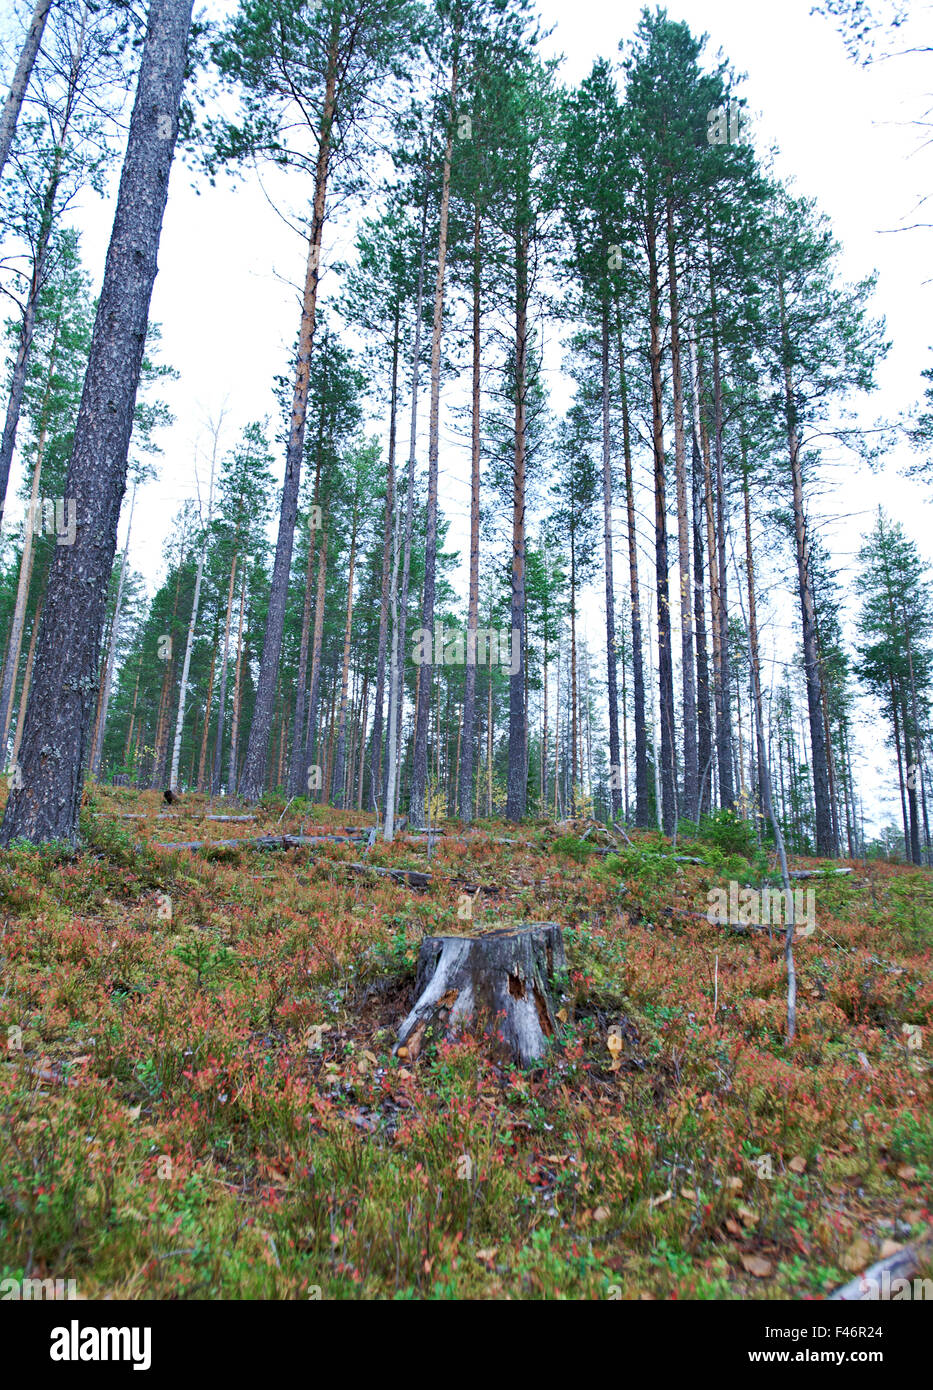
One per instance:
(257, 748)
(724, 732)
(24, 693)
(419, 773)
(400, 610)
(11, 665)
(129, 733)
(489, 742)
(811, 656)
(47, 804)
(712, 553)
(297, 755)
(101, 729)
(517, 786)
(615, 790)
(312, 743)
(337, 790)
(665, 660)
(375, 750)
(688, 667)
(638, 670)
(758, 712)
(574, 767)
(469, 687)
(28, 328)
(202, 761)
(237, 688)
(222, 692)
(704, 717)
(296, 776)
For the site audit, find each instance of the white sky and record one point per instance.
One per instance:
(225, 298)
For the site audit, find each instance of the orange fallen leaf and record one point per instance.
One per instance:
(756, 1265)
(798, 1164)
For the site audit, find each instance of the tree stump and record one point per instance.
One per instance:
(502, 979)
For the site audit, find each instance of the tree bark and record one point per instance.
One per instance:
(615, 779)
(517, 784)
(312, 744)
(688, 666)
(337, 791)
(27, 57)
(222, 692)
(469, 683)
(375, 750)
(638, 670)
(811, 656)
(724, 709)
(237, 687)
(503, 980)
(101, 730)
(665, 660)
(257, 748)
(46, 804)
(419, 772)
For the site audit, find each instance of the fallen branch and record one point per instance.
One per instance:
(411, 878)
(816, 873)
(261, 842)
(617, 826)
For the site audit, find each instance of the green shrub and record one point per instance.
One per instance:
(728, 832)
(573, 848)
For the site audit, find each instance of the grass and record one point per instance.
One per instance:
(198, 1096)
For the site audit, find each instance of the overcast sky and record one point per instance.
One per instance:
(226, 299)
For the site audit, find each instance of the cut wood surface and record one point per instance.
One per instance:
(503, 979)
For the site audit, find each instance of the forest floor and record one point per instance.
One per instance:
(198, 1096)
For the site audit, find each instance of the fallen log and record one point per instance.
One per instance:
(816, 873)
(260, 842)
(503, 978)
(876, 1284)
(411, 878)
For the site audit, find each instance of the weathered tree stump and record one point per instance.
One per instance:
(502, 979)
